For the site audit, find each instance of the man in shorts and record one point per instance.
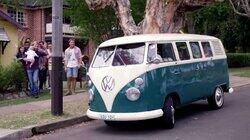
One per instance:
(72, 64)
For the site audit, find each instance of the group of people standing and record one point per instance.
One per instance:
(36, 58)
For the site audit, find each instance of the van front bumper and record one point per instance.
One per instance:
(125, 116)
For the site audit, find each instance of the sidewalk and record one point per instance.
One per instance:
(236, 81)
(33, 106)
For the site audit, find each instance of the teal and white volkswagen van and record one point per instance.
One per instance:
(148, 76)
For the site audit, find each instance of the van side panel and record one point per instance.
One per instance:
(213, 73)
(216, 72)
(191, 83)
(160, 82)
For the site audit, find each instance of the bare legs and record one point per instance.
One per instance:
(71, 83)
(73, 87)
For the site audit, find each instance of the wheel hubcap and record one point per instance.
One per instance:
(219, 97)
(172, 113)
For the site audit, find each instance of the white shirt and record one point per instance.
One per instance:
(72, 62)
(31, 55)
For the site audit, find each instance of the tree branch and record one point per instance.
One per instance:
(152, 20)
(98, 4)
(122, 10)
(247, 5)
(126, 20)
(236, 11)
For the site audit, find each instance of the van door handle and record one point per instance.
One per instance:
(176, 72)
(197, 67)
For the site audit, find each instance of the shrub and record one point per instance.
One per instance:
(11, 77)
(238, 59)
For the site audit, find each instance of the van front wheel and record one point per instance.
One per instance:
(168, 113)
(216, 101)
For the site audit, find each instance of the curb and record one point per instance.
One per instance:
(39, 129)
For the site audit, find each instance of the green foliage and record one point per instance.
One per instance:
(11, 77)
(219, 20)
(238, 59)
(101, 24)
(92, 24)
(138, 7)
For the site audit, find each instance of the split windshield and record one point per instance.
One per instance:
(128, 54)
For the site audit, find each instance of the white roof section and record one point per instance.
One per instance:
(155, 38)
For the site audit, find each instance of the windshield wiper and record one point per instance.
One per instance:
(121, 59)
(109, 57)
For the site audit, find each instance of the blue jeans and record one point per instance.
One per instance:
(33, 80)
(72, 72)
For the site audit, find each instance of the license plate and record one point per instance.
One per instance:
(107, 117)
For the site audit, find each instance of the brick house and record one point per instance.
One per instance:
(35, 16)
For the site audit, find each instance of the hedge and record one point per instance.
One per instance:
(238, 60)
(11, 77)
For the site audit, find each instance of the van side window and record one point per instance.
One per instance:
(207, 49)
(154, 52)
(183, 50)
(195, 47)
(167, 52)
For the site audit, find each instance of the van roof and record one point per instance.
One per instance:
(154, 37)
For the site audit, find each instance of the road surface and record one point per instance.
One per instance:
(193, 122)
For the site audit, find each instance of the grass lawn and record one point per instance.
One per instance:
(242, 72)
(23, 119)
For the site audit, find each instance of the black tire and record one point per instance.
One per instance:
(216, 101)
(169, 113)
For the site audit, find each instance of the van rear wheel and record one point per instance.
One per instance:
(168, 113)
(216, 101)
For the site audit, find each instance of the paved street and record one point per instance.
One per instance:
(194, 122)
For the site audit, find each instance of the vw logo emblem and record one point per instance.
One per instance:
(108, 83)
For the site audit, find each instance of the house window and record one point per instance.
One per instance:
(17, 15)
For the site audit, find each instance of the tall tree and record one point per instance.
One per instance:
(161, 16)
(241, 7)
(221, 21)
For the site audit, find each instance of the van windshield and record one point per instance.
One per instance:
(104, 57)
(128, 54)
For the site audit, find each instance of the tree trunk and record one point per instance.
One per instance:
(161, 16)
(123, 13)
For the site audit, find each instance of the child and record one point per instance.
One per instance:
(31, 54)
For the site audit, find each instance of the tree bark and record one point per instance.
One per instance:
(241, 7)
(161, 16)
(126, 20)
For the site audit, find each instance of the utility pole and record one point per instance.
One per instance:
(57, 66)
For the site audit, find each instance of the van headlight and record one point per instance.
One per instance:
(133, 94)
(138, 82)
(91, 95)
